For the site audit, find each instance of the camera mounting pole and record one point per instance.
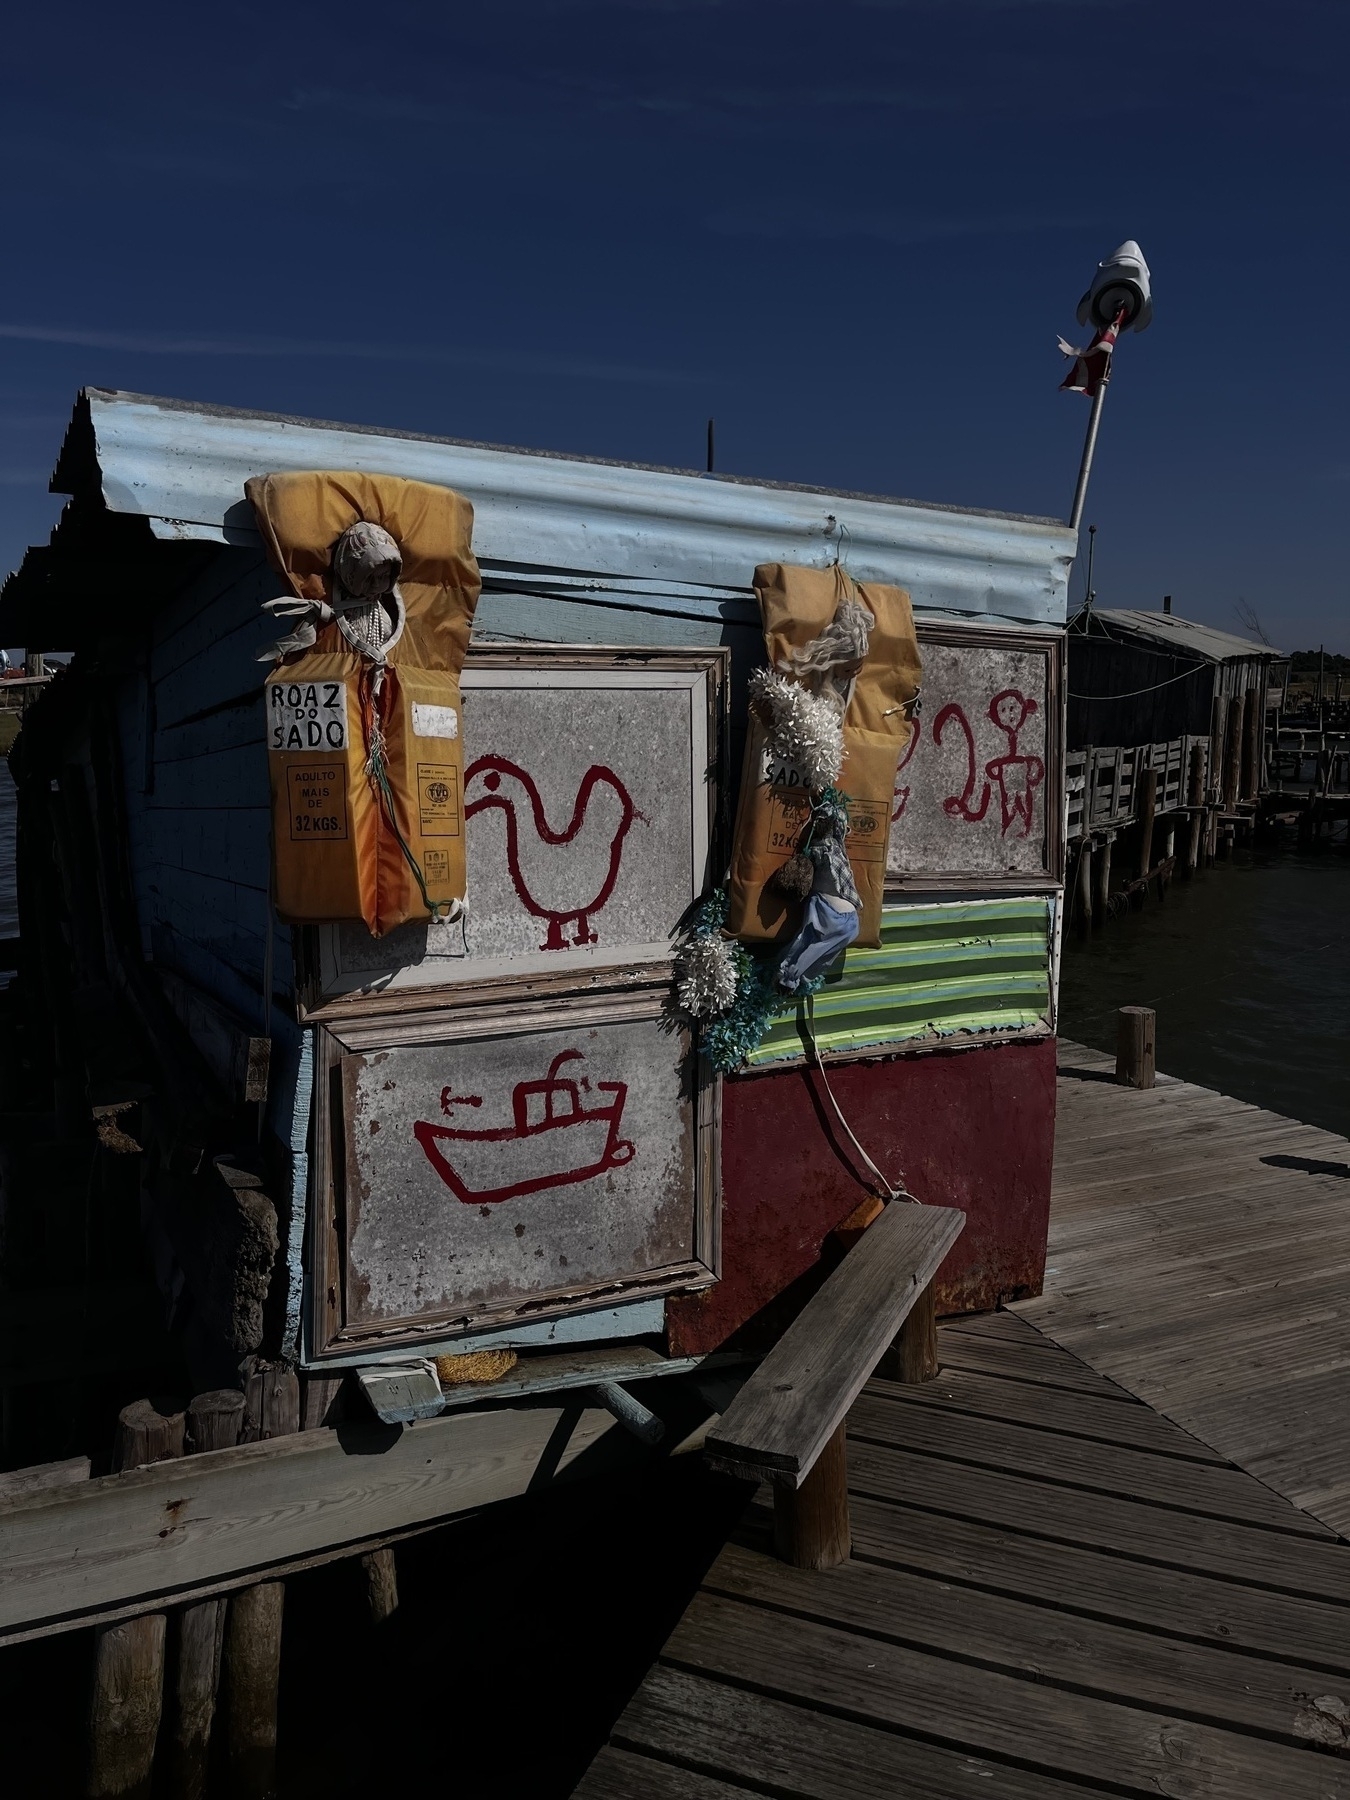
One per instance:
(1120, 299)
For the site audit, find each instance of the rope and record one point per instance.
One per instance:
(891, 1189)
(1185, 673)
(378, 770)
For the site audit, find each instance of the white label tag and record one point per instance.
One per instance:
(307, 715)
(434, 721)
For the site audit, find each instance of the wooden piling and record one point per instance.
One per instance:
(1148, 801)
(381, 1574)
(127, 1697)
(252, 1648)
(1136, 1046)
(1195, 799)
(1084, 919)
(810, 1523)
(1232, 756)
(1103, 881)
(1251, 744)
(213, 1423)
(253, 1673)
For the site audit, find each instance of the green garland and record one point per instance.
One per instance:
(729, 1037)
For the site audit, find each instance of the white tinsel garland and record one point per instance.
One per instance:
(803, 730)
(705, 976)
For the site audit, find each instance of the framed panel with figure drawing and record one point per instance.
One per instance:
(979, 795)
(591, 781)
(480, 1165)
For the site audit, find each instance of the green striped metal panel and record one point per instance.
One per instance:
(962, 966)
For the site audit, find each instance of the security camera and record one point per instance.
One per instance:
(1121, 281)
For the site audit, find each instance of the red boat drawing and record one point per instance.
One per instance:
(554, 1141)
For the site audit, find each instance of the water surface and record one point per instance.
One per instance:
(1248, 966)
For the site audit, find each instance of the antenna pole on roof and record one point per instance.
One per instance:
(712, 423)
(1089, 449)
(1091, 593)
(1120, 298)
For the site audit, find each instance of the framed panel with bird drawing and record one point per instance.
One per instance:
(591, 795)
(477, 1166)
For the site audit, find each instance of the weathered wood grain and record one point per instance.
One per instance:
(1315, 1568)
(784, 1749)
(975, 1708)
(171, 1528)
(790, 1408)
(1210, 1685)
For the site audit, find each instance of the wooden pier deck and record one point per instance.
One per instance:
(1200, 1256)
(1055, 1590)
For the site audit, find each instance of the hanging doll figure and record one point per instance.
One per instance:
(831, 906)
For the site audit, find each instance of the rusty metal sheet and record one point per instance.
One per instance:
(494, 1172)
(977, 789)
(587, 806)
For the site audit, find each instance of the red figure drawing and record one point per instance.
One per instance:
(901, 795)
(1016, 776)
(962, 805)
(555, 1139)
(571, 873)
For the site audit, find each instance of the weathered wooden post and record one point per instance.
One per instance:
(381, 1572)
(810, 1523)
(1103, 905)
(1085, 885)
(1195, 801)
(1251, 742)
(1232, 756)
(1136, 1046)
(213, 1423)
(252, 1651)
(1148, 801)
(913, 1357)
(128, 1688)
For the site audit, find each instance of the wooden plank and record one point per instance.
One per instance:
(1076, 1415)
(1004, 1327)
(38, 1477)
(164, 1530)
(977, 1709)
(623, 1774)
(1023, 1362)
(788, 1750)
(791, 1407)
(1166, 1481)
(1091, 1583)
(1111, 1661)
(1314, 1568)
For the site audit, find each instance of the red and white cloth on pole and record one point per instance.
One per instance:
(1092, 367)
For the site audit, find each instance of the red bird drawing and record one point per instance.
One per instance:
(561, 876)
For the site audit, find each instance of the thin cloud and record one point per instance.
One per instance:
(139, 343)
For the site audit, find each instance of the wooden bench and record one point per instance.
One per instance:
(787, 1424)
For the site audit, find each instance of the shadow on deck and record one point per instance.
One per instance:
(1053, 1592)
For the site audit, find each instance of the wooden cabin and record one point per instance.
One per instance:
(358, 1165)
(1166, 722)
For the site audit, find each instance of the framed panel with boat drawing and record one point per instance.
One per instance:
(486, 1164)
(590, 796)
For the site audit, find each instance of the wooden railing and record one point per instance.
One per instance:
(1102, 782)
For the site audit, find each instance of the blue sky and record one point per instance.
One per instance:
(850, 230)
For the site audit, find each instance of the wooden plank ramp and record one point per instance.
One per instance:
(1053, 1592)
(1200, 1258)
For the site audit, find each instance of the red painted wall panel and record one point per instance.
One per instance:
(969, 1128)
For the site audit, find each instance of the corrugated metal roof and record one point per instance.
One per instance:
(183, 467)
(1183, 634)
